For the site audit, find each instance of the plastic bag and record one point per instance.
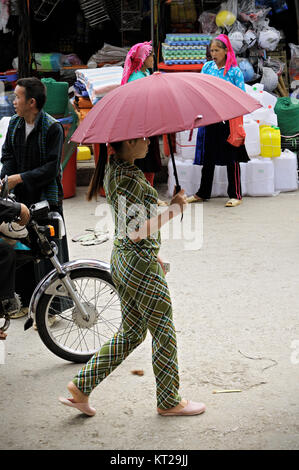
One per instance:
(250, 38)
(247, 69)
(268, 37)
(230, 5)
(227, 14)
(236, 36)
(207, 22)
(248, 13)
(294, 62)
(275, 65)
(269, 79)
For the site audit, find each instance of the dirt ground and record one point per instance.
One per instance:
(236, 314)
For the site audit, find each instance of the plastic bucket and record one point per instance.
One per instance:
(285, 172)
(69, 175)
(252, 139)
(260, 177)
(270, 141)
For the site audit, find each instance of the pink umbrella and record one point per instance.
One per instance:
(162, 104)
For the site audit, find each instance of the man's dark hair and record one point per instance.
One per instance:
(34, 88)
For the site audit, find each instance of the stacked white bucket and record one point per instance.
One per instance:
(266, 176)
(259, 177)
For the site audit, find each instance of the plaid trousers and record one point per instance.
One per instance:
(146, 305)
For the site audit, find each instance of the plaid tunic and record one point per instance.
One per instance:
(142, 288)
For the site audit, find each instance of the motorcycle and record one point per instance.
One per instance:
(80, 293)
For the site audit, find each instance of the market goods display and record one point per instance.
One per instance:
(185, 48)
(99, 81)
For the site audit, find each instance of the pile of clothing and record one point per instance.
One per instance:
(108, 54)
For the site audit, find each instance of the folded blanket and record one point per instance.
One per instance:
(99, 81)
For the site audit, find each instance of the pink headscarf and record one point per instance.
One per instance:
(135, 59)
(231, 58)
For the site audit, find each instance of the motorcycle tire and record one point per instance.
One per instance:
(70, 337)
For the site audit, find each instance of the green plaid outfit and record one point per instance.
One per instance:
(143, 291)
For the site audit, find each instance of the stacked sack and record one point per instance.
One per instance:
(287, 110)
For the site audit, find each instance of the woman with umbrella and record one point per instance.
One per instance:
(138, 275)
(139, 60)
(216, 149)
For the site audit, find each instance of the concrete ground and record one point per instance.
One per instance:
(236, 313)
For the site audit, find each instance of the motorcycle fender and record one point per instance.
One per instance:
(49, 284)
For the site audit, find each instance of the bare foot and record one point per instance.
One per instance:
(78, 396)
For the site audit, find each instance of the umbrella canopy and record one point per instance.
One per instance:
(162, 104)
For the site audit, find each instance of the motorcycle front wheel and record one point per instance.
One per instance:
(61, 326)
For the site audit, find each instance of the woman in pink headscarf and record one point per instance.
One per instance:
(216, 150)
(139, 60)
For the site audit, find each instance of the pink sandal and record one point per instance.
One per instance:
(192, 408)
(83, 407)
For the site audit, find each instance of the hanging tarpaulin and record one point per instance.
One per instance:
(24, 43)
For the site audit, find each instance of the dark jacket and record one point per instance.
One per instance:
(24, 157)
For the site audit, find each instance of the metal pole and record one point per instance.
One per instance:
(152, 23)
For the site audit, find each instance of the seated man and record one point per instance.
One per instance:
(9, 211)
(31, 157)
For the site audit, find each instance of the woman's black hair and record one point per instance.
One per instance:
(220, 43)
(96, 182)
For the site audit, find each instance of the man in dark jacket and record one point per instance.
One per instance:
(31, 157)
(9, 211)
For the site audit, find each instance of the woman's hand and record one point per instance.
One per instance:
(179, 202)
(177, 206)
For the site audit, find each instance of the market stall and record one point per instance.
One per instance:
(270, 68)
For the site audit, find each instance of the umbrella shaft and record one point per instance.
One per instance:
(178, 188)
